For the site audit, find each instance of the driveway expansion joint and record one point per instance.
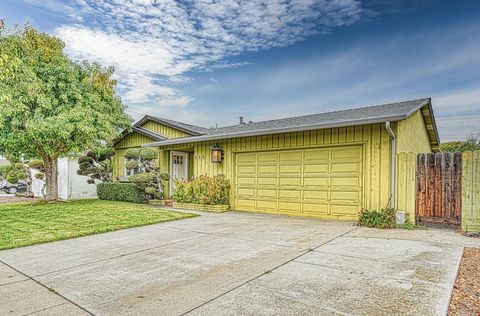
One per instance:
(49, 289)
(268, 271)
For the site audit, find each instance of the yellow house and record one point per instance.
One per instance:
(328, 165)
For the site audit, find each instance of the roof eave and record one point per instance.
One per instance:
(147, 118)
(185, 140)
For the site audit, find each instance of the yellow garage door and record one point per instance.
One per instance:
(323, 182)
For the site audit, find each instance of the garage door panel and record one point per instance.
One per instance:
(268, 157)
(338, 168)
(290, 194)
(347, 181)
(317, 168)
(316, 195)
(290, 169)
(343, 209)
(249, 192)
(317, 182)
(248, 205)
(292, 182)
(249, 170)
(266, 205)
(289, 207)
(345, 196)
(267, 169)
(316, 155)
(243, 181)
(246, 158)
(266, 193)
(267, 181)
(315, 208)
(346, 154)
(286, 156)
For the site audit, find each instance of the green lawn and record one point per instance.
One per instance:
(26, 224)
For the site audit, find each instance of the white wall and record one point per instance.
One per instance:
(70, 185)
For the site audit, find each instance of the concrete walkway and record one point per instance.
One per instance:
(236, 264)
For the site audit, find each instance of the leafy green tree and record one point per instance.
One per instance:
(472, 143)
(51, 106)
(97, 164)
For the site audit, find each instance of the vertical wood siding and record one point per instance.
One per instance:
(406, 183)
(374, 138)
(412, 135)
(164, 130)
(471, 191)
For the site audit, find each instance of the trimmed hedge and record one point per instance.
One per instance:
(127, 192)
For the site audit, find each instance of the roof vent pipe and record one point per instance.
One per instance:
(392, 167)
(241, 120)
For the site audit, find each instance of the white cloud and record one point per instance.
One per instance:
(155, 44)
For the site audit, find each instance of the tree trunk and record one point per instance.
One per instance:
(28, 171)
(51, 178)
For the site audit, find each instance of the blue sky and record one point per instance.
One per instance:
(208, 63)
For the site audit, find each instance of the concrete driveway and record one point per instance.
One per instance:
(235, 264)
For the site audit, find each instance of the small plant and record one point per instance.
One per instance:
(384, 218)
(203, 190)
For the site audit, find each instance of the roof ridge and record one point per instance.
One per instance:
(330, 112)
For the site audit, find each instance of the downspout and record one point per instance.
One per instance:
(392, 167)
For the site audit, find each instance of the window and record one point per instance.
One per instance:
(131, 172)
(177, 160)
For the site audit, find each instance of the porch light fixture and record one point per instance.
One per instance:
(217, 154)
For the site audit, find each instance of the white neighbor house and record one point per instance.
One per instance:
(70, 184)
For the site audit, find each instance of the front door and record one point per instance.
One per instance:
(179, 167)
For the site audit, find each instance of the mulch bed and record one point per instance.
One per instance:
(466, 292)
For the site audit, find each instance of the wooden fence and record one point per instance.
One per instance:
(471, 191)
(439, 188)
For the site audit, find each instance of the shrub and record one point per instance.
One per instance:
(148, 154)
(384, 218)
(132, 153)
(203, 190)
(127, 192)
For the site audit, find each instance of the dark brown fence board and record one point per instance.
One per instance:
(439, 188)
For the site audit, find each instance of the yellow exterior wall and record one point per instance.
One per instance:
(412, 135)
(412, 139)
(136, 140)
(406, 184)
(374, 139)
(164, 130)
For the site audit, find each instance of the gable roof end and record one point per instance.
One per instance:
(142, 131)
(187, 128)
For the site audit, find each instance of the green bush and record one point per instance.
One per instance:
(384, 218)
(127, 192)
(132, 153)
(148, 154)
(203, 190)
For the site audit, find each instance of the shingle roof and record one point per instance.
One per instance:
(357, 116)
(399, 109)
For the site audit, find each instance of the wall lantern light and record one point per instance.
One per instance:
(217, 154)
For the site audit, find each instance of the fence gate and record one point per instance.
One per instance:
(439, 189)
